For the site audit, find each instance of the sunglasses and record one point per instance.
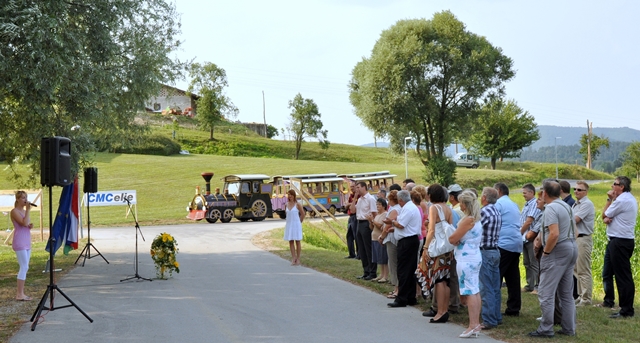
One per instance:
(616, 184)
(579, 189)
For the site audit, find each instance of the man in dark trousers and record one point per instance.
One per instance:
(352, 224)
(620, 213)
(365, 207)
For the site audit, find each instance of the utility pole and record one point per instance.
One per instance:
(264, 116)
(589, 136)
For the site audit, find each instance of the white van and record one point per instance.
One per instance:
(464, 159)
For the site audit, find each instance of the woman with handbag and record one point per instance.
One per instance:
(436, 254)
(466, 240)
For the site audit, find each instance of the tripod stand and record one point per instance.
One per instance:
(52, 285)
(87, 248)
(135, 260)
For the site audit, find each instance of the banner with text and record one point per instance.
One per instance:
(110, 198)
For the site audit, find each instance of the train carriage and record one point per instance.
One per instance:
(326, 189)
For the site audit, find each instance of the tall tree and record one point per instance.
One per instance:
(631, 164)
(88, 64)
(209, 81)
(592, 143)
(501, 131)
(305, 122)
(424, 78)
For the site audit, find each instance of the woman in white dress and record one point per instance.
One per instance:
(293, 227)
(466, 240)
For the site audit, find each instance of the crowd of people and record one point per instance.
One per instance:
(458, 247)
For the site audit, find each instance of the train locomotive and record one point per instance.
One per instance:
(244, 197)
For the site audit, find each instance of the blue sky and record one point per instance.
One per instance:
(575, 60)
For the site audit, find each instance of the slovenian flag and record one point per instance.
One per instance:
(65, 226)
(71, 242)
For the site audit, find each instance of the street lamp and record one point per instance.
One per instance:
(406, 165)
(557, 156)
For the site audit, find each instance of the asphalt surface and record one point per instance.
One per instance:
(228, 290)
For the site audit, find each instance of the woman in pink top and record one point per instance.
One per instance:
(22, 239)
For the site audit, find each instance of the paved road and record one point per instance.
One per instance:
(228, 291)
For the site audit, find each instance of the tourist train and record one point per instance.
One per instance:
(258, 196)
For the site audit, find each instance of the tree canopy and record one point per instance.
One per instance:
(596, 143)
(209, 81)
(631, 164)
(87, 64)
(305, 122)
(501, 131)
(424, 79)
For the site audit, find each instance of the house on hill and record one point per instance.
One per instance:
(171, 100)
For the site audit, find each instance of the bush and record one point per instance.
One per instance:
(440, 170)
(153, 145)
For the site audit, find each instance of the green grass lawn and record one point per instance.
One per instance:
(166, 184)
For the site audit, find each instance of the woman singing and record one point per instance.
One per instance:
(22, 239)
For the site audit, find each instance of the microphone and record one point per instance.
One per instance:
(32, 204)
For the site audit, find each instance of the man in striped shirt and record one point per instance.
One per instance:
(527, 217)
(490, 269)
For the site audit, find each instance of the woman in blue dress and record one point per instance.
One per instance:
(293, 227)
(466, 240)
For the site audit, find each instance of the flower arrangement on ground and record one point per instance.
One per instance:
(163, 252)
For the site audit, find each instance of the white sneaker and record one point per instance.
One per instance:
(539, 319)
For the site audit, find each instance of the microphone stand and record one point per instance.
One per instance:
(52, 285)
(136, 275)
(86, 252)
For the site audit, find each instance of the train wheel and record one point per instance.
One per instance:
(259, 209)
(214, 215)
(282, 215)
(227, 215)
(332, 210)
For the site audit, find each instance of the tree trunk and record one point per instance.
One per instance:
(211, 133)
(493, 163)
(298, 146)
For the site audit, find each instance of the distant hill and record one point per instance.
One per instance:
(571, 135)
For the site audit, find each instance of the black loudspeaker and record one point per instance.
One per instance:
(90, 180)
(55, 161)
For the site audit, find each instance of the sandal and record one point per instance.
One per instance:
(392, 296)
(382, 280)
(603, 305)
(26, 298)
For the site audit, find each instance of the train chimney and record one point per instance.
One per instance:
(207, 178)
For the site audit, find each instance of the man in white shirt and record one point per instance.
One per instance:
(407, 228)
(365, 207)
(619, 214)
(527, 217)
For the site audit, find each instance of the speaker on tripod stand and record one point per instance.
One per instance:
(90, 186)
(55, 170)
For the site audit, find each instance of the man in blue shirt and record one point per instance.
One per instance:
(510, 245)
